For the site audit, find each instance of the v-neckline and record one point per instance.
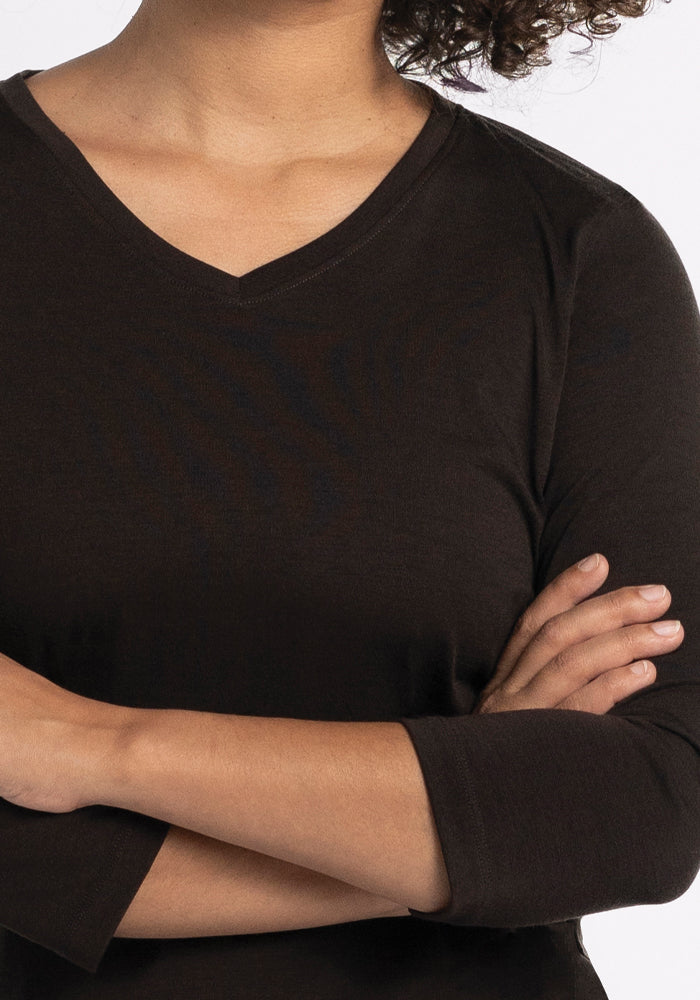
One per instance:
(274, 276)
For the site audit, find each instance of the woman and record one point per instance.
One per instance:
(317, 387)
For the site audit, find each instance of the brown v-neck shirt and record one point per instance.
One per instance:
(326, 490)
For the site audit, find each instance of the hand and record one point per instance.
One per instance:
(53, 743)
(567, 652)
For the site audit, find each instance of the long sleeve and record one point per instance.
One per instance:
(66, 880)
(548, 815)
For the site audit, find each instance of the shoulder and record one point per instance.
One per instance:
(16, 139)
(548, 204)
(542, 166)
(535, 176)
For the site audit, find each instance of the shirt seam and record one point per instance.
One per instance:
(102, 221)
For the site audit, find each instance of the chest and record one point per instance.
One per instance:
(321, 507)
(237, 511)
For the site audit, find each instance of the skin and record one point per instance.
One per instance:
(244, 84)
(271, 119)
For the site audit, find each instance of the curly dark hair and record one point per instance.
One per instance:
(509, 36)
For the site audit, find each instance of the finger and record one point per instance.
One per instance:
(581, 664)
(598, 615)
(610, 688)
(562, 593)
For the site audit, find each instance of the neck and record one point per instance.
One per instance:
(217, 75)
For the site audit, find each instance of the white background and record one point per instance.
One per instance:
(629, 109)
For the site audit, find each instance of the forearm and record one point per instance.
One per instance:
(199, 887)
(344, 799)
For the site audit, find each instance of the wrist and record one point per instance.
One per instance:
(138, 756)
(102, 738)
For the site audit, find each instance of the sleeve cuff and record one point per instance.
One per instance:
(66, 880)
(430, 738)
(106, 899)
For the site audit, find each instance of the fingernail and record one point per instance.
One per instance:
(589, 563)
(653, 592)
(640, 668)
(666, 628)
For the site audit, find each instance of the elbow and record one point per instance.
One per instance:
(679, 875)
(671, 861)
(669, 812)
(676, 848)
